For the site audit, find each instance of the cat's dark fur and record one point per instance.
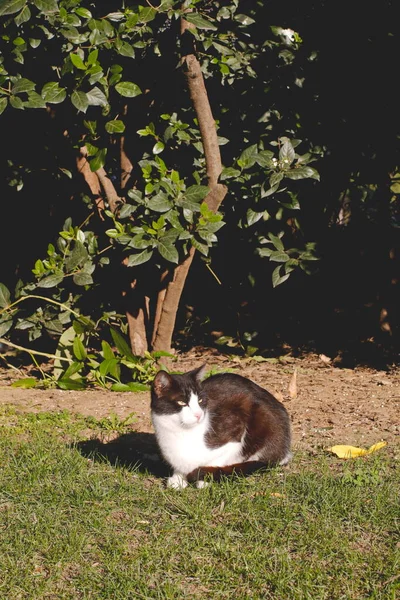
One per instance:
(223, 424)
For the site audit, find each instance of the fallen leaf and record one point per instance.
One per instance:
(325, 359)
(344, 451)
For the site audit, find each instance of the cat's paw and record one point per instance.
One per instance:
(177, 482)
(200, 484)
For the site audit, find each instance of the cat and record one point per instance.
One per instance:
(220, 425)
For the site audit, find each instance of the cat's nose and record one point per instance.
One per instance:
(198, 415)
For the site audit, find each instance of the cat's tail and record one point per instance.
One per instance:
(216, 473)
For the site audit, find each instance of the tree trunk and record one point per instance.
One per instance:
(198, 93)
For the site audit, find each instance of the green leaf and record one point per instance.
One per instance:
(35, 101)
(279, 256)
(84, 13)
(96, 97)
(196, 193)
(126, 49)
(22, 85)
(253, 217)
(3, 104)
(248, 157)
(277, 242)
(5, 326)
(80, 101)
(128, 89)
(272, 190)
(275, 179)
(77, 61)
(82, 278)
(70, 384)
(4, 296)
(9, 7)
(277, 279)
(79, 349)
(167, 250)
(229, 172)
(73, 368)
(77, 257)
(207, 236)
(264, 251)
(115, 126)
(264, 159)
(139, 242)
(147, 14)
(199, 21)
(52, 93)
(107, 350)
(138, 387)
(302, 173)
(16, 102)
(158, 148)
(202, 248)
(51, 281)
(23, 16)
(122, 345)
(287, 153)
(244, 19)
(46, 6)
(138, 259)
(28, 382)
(99, 159)
(159, 203)
(109, 366)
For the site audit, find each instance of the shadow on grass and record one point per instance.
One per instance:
(132, 450)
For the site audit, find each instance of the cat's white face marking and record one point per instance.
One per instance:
(192, 414)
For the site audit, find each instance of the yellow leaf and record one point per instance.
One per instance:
(344, 451)
(376, 447)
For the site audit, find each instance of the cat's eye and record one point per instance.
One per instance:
(200, 400)
(181, 403)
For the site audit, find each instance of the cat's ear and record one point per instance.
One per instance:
(162, 382)
(199, 373)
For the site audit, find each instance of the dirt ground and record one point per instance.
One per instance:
(328, 405)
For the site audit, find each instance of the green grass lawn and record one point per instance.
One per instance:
(73, 526)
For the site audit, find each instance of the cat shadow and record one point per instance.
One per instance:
(134, 450)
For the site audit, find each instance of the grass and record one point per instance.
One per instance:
(78, 527)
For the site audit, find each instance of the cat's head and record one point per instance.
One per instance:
(179, 396)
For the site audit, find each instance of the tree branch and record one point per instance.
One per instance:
(103, 181)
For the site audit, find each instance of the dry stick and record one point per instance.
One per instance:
(201, 104)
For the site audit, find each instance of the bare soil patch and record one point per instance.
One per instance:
(333, 405)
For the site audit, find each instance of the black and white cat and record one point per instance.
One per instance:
(218, 426)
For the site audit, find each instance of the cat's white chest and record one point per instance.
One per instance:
(185, 448)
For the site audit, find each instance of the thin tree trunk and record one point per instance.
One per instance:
(198, 93)
(137, 311)
(173, 292)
